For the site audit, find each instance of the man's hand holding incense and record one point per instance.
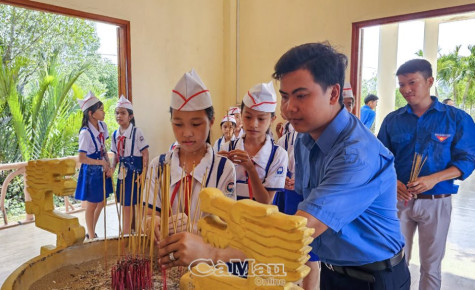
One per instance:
(422, 184)
(402, 192)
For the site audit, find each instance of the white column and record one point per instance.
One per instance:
(387, 66)
(431, 45)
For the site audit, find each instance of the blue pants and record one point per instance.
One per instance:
(397, 277)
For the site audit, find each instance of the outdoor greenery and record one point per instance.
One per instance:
(47, 62)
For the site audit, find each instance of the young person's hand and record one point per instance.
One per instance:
(241, 157)
(110, 172)
(148, 227)
(186, 248)
(105, 165)
(178, 223)
(402, 192)
(224, 153)
(289, 183)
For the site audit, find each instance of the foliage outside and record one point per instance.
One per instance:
(47, 62)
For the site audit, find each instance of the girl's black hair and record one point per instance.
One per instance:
(209, 113)
(85, 115)
(131, 112)
(272, 114)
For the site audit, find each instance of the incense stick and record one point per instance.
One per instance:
(105, 204)
(417, 164)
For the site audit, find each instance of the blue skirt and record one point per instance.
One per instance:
(133, 164)
(90, 185)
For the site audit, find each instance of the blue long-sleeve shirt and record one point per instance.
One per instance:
(367, 116)
(348, 181)
(445, 134)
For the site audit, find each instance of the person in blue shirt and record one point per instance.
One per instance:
(367, 111)
(445, 136)
(346, 176)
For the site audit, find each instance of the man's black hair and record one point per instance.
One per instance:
(326, 65)
(446, 101)
(370, 98)
(416, 65)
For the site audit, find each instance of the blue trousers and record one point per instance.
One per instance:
(397, 277)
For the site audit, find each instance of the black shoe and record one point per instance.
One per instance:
(95, 236)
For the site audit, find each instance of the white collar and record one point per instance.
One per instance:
(200, 170)
(94, 130)
(263, 155)
(128, 131)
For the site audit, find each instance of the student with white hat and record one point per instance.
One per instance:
(131, 153)
(228, 125)
(193, 161)
(236, 113)
(94, 161)
(348, 98)
(261, 165)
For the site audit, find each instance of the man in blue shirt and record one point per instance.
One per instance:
(367, 111)
(445, 136)
(345, 174)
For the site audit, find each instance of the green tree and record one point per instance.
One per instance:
(40, 121)
(450, 70)
(34, 36)
(468, 75)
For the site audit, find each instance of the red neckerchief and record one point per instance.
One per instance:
(101, 140)
(249, 186)
(120, 147)
(187, 192)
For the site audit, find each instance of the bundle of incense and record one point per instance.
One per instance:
(105, 206)
(417, 164)
(165, 195)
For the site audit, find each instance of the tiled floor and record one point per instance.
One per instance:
(21, 243)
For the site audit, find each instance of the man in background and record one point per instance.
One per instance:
(367, 111)
(445, 137)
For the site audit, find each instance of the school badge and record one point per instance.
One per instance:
(230, 187)
(442, 137)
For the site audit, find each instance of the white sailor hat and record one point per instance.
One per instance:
(234, 110)
(261, 97)
(229, 118)
(88, 101)
(124, 103)
(190, 93)
(347, 91)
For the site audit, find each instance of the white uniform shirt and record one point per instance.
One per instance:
(139, 145)
(275, 179)
(287, 142)
(226, 182)
(287, 128)
(241, 133)
(217, 148)
(86, 144)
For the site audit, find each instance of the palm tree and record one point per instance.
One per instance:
(450, 70)
(39, 122)
(468, 73)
